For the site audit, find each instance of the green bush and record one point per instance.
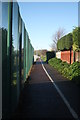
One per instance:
(71, 40)
(43, 58)
(68, 41)
(76, 39)
(49, 55)
(70, 71)
(65, 43)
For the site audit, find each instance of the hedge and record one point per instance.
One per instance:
(76, 39)
(70, 71)
(65, 43)
(71, 40)
(49, 55)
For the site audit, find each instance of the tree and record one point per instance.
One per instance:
(76, 39)
(58, 34)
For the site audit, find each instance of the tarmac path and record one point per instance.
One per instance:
(40, 99)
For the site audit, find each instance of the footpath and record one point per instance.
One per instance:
(70, 90)
(41, 100)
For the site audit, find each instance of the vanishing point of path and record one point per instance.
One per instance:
(40, 99)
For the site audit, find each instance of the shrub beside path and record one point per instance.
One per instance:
(70, 90)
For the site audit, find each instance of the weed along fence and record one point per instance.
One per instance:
(17, 57)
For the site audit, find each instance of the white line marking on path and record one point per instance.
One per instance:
(74, 114)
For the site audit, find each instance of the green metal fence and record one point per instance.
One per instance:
(17, 57)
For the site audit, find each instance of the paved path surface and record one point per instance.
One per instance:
(70, 90)
(40, 98)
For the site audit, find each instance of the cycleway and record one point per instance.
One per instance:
(40, 99)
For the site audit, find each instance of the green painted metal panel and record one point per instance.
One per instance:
(4, 57)
(24, 54)
(17, 56)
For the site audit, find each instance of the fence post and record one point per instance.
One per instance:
(70, 54)
(73, 56)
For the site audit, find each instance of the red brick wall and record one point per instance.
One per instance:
(71, 57)
(65, 56)
(77, 56)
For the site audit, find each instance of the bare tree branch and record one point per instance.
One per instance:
(58, 34)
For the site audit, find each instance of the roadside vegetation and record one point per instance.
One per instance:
(70, 71)
(43, 58)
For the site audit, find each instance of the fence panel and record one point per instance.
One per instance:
(17, 56)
